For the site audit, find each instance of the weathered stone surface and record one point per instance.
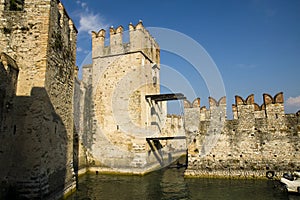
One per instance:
(41, 39)
(247, 146)
(117, 118)
(53, 126)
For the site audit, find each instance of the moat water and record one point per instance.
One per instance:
(170, 184)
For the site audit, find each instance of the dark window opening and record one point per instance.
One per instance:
(16, 5)
(153, 111)
(1, 107)
(58, 18)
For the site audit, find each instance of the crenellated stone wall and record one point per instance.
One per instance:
(258, 139)
(54, 127)
(117, 118)
(40, 38)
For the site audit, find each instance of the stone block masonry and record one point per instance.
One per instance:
(256, 140)
(116, 117)
(54, 127)
(37, 132)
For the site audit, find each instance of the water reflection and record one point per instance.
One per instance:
(234, 189)
(173, 185)
(169, 184)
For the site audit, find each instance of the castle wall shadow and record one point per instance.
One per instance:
(33, 149)
(37, 71)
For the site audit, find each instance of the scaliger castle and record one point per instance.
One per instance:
(54, 127)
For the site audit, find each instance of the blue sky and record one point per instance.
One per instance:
(255, 44)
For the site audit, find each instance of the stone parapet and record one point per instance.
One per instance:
(247, 146)
(140, 40)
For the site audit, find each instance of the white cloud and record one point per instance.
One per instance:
(91, 22)
(88, 21)
(83, 4)
(293, 101)
(86, 51)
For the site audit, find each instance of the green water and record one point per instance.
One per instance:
(169, 184)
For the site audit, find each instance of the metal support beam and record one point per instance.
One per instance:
(167, 138)
(165, 97)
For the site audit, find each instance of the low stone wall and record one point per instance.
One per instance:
(151, 166)
(229, 174)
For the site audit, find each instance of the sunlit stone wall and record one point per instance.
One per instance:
(258, 139)
(41, 38)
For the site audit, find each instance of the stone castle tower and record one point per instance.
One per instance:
(38, 50)
(118, 116)
(123, 69)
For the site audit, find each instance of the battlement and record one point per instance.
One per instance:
(257, 137)
(140, 40)
(216, 108)
(65, 20)
(272, 107)
(212, 103)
